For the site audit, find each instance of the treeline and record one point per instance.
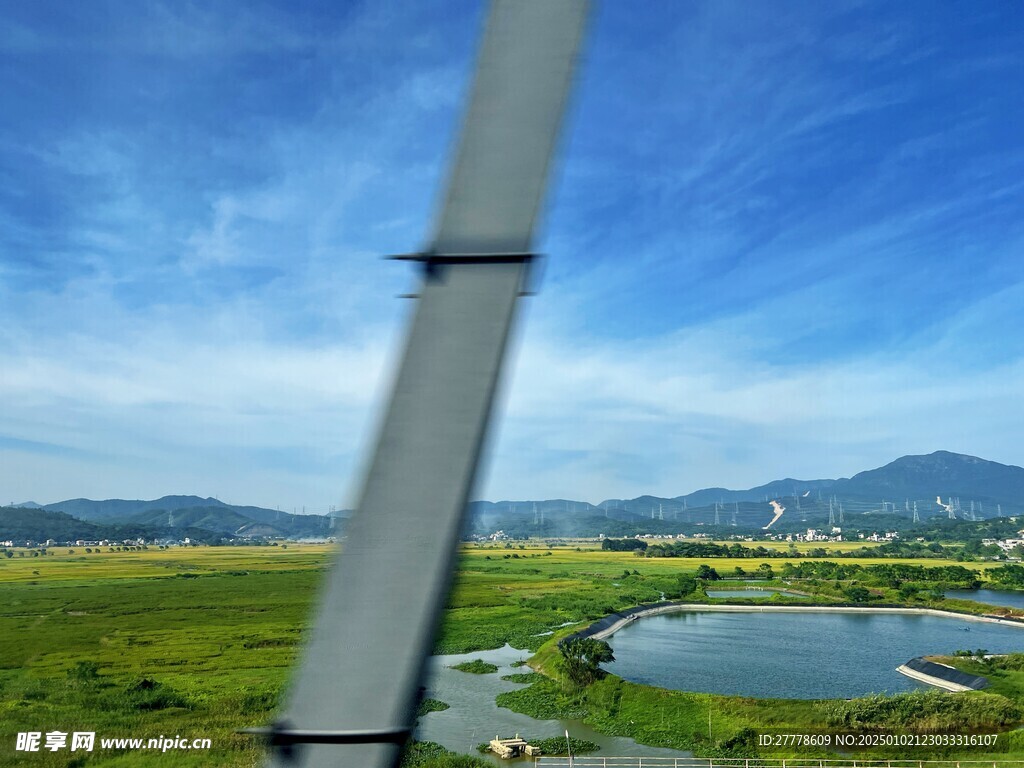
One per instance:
(891, 575)
(690, 548)
(1007, 576)
(624, 545)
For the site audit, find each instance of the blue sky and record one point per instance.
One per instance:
(784, 240)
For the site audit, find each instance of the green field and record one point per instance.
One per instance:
(198, 642)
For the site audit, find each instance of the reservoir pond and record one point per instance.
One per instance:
(805, 655)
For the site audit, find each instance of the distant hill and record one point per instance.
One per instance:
(237, 521)
(885, 497)
(87, 509)
(940, 474)
(877, 498)
(168, 516)
(27, 524)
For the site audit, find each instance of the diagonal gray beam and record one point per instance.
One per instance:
(516, 107)
(377, 616)
(375, 625)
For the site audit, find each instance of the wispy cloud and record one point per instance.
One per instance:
(785, 242)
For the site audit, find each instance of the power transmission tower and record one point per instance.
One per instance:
(831, 516)
(917, 518)
(716, 513)
(840, 513)
(735, 510)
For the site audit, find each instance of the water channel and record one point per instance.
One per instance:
(752, 593)
(1004, 597)
(475, 718)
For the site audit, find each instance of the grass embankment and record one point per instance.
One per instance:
(1005, 674)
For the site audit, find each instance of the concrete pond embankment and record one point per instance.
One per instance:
(609, 625)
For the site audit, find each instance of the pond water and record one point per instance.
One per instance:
(1004, 597)
(806, 655)
(475, 718)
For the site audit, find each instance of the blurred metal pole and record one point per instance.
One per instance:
(353, 700)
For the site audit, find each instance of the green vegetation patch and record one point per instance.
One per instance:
(431, 705)
(557, 745)
(523, 677)
(429, 754)
(921, 711)
(476, 667)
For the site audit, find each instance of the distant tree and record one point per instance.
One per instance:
(908, 592)
(858, 594)
(623, 545)
(707, 573)
(582, 657)
(687, 585)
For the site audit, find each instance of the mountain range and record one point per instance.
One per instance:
(970, 488)
(940, 484)
(169, 517)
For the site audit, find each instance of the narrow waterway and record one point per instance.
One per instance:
(754, 593)
(1004, 597)
(474, 717)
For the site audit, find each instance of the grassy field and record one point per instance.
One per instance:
(193, 642)
(197, 642)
